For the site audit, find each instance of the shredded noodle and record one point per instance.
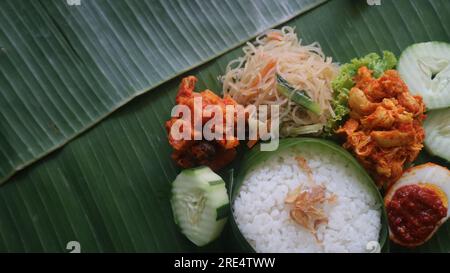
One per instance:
(251, 79)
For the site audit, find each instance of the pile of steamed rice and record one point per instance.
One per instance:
(263, 217)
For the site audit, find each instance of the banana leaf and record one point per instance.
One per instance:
(65, 67)
(109, 188)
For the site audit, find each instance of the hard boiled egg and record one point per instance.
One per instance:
(417, 204)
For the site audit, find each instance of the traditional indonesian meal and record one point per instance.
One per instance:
(345, 176)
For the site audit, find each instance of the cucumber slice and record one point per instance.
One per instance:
(200, 204)
(425, 68)
(437, 133)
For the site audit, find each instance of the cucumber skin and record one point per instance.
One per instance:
(223, 212)
(297, 96)
(209, 187)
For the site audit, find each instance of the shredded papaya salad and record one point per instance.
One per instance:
(278, 69)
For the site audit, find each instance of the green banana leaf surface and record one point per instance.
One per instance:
(65, 69)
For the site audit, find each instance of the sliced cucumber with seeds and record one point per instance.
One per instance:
(425, 68)
(200, 204)
(437, 133)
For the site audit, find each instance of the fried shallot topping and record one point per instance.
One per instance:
(307, 202)
(308, 207)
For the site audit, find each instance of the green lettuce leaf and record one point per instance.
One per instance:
(344, 82)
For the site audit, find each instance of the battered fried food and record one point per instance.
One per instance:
(214, 153)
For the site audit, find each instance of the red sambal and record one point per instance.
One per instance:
(414, 212)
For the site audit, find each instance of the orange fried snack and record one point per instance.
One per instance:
(188, 153)
(385, 126)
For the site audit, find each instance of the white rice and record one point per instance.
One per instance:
(263, 217)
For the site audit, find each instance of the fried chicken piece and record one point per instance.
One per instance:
(393, 138)
(358, 102)
(380, 118)
(385, 126)
(195, 150)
